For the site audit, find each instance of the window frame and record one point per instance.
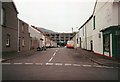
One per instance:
(23, 42)
(106, 44)
(8, 40)
(3, 17)
(94, 22)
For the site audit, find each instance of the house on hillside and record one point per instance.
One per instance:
(101, 32)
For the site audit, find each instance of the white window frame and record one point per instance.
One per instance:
(8, 41)
(23, 42)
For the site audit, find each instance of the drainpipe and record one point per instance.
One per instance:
(86, 36)
(0, 42)
(18, 36)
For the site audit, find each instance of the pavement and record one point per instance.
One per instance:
(15, 55)
(101, 60)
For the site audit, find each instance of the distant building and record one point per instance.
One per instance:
(24, 36)
(9, 24)
(60, 38)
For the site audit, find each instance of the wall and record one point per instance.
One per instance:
(89, 35)
(36, 35)
(106, 14)
(24, 33)
(10, 28)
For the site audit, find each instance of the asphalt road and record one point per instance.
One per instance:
(56, 64)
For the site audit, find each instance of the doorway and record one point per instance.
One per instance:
(91, 45)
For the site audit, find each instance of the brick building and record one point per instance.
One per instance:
(9, 24)
(60, 38)
(24, 36)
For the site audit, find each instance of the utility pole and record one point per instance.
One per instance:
(72, 29)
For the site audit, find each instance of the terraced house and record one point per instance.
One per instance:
(36, 38)
(9, 24)
(24, 36)
(101, 32)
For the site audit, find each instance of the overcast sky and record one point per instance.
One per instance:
(56, 15)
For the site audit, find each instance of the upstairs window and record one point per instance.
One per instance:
(23, 27)
(94, 21)
(3, 17)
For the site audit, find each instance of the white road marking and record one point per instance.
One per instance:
(50, 59)
(76, 65)
(17, 63)
(6, 63)
(86, 65)
(67, 64)
(28, 63)
(59, 64)
(54, 54)
(38, 63)
(99, 66)
(49, 63)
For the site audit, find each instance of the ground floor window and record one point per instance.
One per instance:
(8, 41)
(23, 42)
(107, 42)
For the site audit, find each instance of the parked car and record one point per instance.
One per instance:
(70, 44)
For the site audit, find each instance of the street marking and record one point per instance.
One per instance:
(50, 59)
(28, 63)
(6, 63)
(38, 63)
(59, 64)
(54, 54)
(67, 64)
(99, 66)
(107, 67)
(17, 63)
(76, 65)
(86, 65)
(49, 63)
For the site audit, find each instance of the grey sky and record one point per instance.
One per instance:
(56, 15)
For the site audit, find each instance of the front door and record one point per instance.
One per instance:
(91, 44)
(80, 42)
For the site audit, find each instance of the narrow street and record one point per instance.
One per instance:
(56, 64)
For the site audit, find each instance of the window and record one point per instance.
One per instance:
(93, 22)
(3, 17)
(106, 42)
(23, 42)
(8, 41)
(22, 27)
(77, 40)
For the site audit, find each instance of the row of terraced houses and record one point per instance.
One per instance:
(17, 35)
(101, 32)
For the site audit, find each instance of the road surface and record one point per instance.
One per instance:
(56, 64)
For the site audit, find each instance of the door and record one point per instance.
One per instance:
(80, 42)
(91, 45)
